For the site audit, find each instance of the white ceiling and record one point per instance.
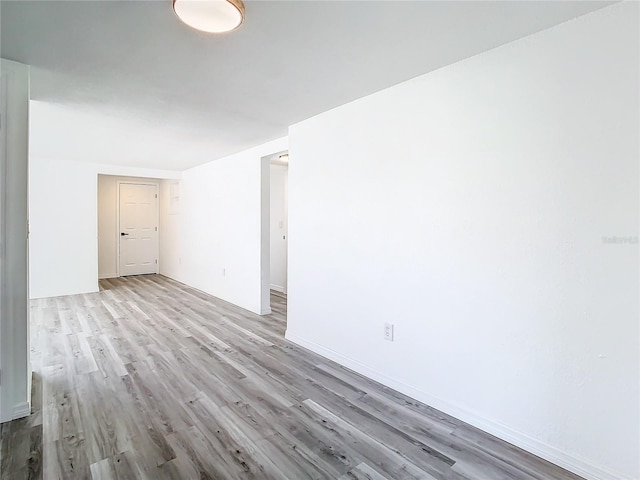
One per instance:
(125, 82)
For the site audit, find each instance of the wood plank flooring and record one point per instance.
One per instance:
(151, 379)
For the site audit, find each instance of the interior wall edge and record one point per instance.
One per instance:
(20, 410)
(66, 294)
(15, 391)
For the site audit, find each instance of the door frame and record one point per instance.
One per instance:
(4, 363)
(265, 232)
(15, 359)
(117, 232)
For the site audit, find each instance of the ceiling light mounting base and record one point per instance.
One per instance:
(212, 16)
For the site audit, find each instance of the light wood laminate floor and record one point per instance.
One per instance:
(152, 379)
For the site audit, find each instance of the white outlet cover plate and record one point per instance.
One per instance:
(388, 331)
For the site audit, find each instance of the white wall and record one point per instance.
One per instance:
(15, 389)
(468, 207)
(278, 227)
(63, 210)
(213, 242)
(108, 231)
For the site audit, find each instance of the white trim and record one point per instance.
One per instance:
(21, 410)
(14, 294)
(265, 242)
(5, 345)
(132, 182)
(104, 276)
(573, 463)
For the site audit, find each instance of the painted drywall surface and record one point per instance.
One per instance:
(63, 216)
(213, 242)
(107, 226)
(474, 208)
(63, 223)
(108, 233)
(15, 391)
(278, 228)
(170, 216)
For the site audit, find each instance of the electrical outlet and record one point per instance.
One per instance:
(388, 331)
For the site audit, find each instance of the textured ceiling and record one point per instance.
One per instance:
(125, 82)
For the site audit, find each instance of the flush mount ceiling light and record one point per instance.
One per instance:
(213, 16)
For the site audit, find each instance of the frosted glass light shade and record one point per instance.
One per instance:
(214, 16)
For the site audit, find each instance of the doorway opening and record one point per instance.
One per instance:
(275, 232)
(128, 226)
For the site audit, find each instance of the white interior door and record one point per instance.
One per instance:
(138, 235)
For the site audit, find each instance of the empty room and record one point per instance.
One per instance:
(320, 239)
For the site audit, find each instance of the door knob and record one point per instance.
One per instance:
(122, 234)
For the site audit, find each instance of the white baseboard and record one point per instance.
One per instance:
(577, 465)
(21, 410)
(266, 311)
(103, 276)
